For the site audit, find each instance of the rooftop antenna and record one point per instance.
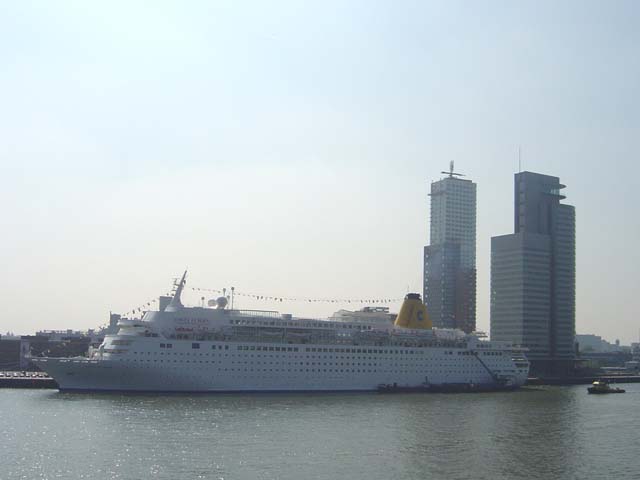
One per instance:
(519, 160)
(451, 173)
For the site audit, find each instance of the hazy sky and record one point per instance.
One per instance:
(286, 148)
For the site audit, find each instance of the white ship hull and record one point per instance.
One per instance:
(198, 349)
(262, 367)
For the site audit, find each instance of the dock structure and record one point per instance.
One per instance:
(582, 380)
(26, 380)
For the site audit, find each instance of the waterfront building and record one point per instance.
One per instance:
(449, 283)
(9, 353)
(597, 344)
(533, 276)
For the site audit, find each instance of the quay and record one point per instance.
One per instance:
(582, 380)
(42, 380)
(26, 380)
(447, 388)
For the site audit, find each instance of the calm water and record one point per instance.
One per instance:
(546, 432)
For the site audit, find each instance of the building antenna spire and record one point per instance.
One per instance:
(519, 160)
(451, 173)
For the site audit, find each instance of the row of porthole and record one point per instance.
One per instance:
(301, 363)
(213, 362)
(206, 361)
(324, 370)
(415, 360)
(440, 372)
(244, 355)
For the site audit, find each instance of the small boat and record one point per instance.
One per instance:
(602, 386)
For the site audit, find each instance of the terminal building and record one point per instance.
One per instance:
(449, 284)
(533, 276)
(16, 351)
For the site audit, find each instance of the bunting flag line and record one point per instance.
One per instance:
(141, 309)
(277, 298)
(273, 298)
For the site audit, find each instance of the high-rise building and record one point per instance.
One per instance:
(449, 288)
(533, 276)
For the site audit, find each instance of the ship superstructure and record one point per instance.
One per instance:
(366, 315)
(199, 349)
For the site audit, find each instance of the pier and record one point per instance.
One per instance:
(583, 380)
(26, 380)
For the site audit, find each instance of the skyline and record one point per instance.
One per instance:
(288, 150)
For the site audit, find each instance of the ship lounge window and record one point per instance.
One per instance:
(162, 345)
(253, 347)
(169, 345)
(295, 349)
(226, 347)
(195, 345)
(239, 347)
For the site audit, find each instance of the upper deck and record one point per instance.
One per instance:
(206, 324)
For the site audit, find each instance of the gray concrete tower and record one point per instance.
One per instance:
(533, 276)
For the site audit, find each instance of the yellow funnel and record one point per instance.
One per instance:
(413, 313)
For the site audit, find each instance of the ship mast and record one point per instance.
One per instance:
(176, 302)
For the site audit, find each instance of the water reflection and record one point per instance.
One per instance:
(534, 433)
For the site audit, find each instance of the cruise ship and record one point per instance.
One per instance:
(220, 349)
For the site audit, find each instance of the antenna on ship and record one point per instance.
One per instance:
(451, 173)
(233, 289)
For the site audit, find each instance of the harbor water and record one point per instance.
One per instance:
(536, 432)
